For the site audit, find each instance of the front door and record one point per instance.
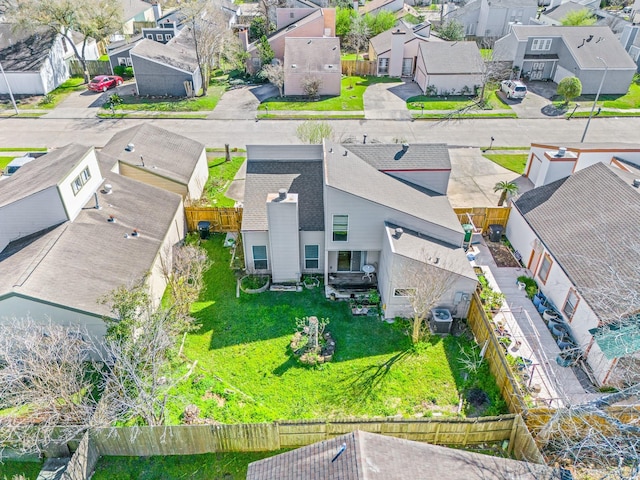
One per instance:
(537, 71)
(407, 67)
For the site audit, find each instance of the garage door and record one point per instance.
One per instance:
(561, 73)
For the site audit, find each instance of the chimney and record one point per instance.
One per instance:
(157, 11)
(398, 37)
(243, 34)
(561, 151)
(282, 194)
(398, 233)
(108, 189)
(405, 147)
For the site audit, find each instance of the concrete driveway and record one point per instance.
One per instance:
(387, 101)
(85, 103)
(241, 103)
(537, 103)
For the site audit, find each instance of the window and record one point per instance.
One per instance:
(383, 66)
(80, 180)
(150, 36)
(543, 271)
(570, 304)
(516, 16)
(159, 37)
(340, 228)
(403, 292)
(122, 61)
(167, 37)
(541, 44)
(259, 257)
(311, 256)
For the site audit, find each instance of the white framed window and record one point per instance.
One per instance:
(383, 66)
(545, 267)
(541, 44)
(167, 37)
(122, 61)
(80, 180)
(403, 292)
(259, 257)
(159, 37)
(311, 256)
(340, 228)
(150, 36)
(570, 304)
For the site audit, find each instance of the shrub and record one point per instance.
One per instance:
(531, 287)
(123, 71)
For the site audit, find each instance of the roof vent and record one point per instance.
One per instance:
(398, 233)
(346, 152)
(108, 189)
(282, 194)
(561, 151)
(405, 147)
(636, 182)
(130, 147)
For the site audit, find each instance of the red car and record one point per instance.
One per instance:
(102, 83)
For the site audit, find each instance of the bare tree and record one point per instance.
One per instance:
(46, 390)
(313, 131)
(359, 34)
(95, 19)
(311, 84)
(275, 74)
(426, 281)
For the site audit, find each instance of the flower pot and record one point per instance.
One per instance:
(550, 314)
(559, 330)
(542, 307)
(565, 342)
(536, 300)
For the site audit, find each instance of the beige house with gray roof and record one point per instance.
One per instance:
(327, 210)
(312, 58)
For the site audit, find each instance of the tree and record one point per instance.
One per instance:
(426, 281)
(577, 18)
(258, 28)
(265, 51)
(312, 131)
(505, 189)
(344, 17)
(275, 75)
(311, 85)
(380, 22)
(451, 30)
(569, 88)
(113, 101)
(359, 34)
(95, 19)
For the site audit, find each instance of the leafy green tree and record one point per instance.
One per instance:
(358, 37)
(380, 22)
(265, 51)
(579, 18)
(451, 30)
(258, 28)
(569, 88)
(344, 16)
(505, 188)
(113, 101)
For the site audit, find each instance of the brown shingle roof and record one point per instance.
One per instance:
(451, 57)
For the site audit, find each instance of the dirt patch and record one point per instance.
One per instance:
(219, 400)
(502, 255)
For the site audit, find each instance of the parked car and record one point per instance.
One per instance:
(102, 83)
(513, 88)
(15, 164)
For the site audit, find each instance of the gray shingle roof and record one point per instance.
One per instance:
(558, 13)
(41, 173)
(312, 54)
(370, 456)
(78, 262)
(132, 8)
(299, 170)
(179, 55)
(22, 50)
(419, 156)
(355, 176)
(166, 153)
(604, 44)
(587, 221)
(451, 58)
(374, 5)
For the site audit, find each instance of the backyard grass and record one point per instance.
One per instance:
(172, 104)
(227, 466)
(221, 174)
(246, 374)
(30, 470)
(350, 98)
(511, 161)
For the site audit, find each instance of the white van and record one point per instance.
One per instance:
(15, 164)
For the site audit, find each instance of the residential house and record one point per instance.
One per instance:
(577, 236)
(374, 7)
(34, 61)
(73, 232)
(136, 13)
(555, 52)
(312, 58)
(448, 68)
(361, 454)
(556, 15)
(292, 23)
(548, 163)
(395, 51)
(119, 52)
(332, 209)
(492, 19)
(158, 157)
(169, 69)
(630, 41)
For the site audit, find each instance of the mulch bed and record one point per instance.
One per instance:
(502, 255)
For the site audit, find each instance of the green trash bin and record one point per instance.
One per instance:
(468, 232)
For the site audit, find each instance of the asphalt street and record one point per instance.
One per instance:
(50, 132)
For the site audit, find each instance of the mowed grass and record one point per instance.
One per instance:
(209, 466)
(221, 173)
(172, 104)
(511, 161)
(245, 372)
(350, 98)
(4, 161)
(454, 102)
(9, 469)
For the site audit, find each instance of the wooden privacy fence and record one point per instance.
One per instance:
(482, 217)
(195, 439)
(221, 219)
(483, 331)
(94, 67)
(358, 67)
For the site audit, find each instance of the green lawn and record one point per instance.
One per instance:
(54, 97)
(246, 374)
(23, 149)
(351, 56)
(172, 104)
(221, 173)
(10, 468)
(511, 161)
(350, 98)
(630, 100)
(209, 466)
(454, 102)
(4, 161)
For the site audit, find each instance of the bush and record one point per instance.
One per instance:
(531, 287)
(123, 71)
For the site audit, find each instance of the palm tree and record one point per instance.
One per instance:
(505, 188)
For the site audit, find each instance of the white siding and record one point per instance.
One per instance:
(312, 238)
(199, 177)
(54, 70)
(284, 239)
(453, 84)
(249, 239)
(28, 83)
(75, 202)
(558, 170)
(30, 215)
(438, 181)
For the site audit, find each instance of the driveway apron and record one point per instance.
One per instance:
(387, 101)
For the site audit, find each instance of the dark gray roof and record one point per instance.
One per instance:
(298, 169)
(76, 263)
(176, 54)
(560, 12)
(355, 176)
(44, 172)
(122, 45)
(587, 221)
(419, 156)
(370, 456)
(451, 58)
(165, 153)
(604, 44)
(312, 54)
(23, 50)
(381, 43)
